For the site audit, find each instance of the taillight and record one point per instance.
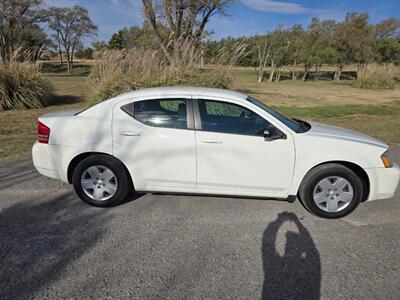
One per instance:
(43, 133)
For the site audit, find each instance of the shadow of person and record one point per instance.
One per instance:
(296, 274)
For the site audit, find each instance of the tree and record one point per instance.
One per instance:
(320, 43)
(32, 39)
(389, 27)
(387, 40)
(355, 39)
(140, 37)
(14, 16)
(211, 50)
(133, 37)
(264, 46)
(179, 25)
(388, 50)
(71, 25)
(280, 42)
(117, 41)
(297, 40)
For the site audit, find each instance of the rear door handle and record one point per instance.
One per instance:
(212, 141)
(129, 133)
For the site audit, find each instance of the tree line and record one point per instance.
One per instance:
(352, 41)
(323, 42)
(177, 30)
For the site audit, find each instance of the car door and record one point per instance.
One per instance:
(156, 141)
(233, 157)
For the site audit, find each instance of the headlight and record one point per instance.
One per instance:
(387, 159)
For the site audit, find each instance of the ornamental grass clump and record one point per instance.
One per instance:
(117, 71)
(22, 86)
(379, 77)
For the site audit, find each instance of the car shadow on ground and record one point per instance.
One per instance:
(295, 271)
(40, 239)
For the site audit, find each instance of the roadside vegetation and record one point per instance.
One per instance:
(117, 71)
(22, 86)
(375, 76)
(373, 48)
(375, 113)
(343, 73)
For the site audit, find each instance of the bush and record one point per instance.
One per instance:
(375, 76)
(21, 86)
(374, 83)
(117, 71)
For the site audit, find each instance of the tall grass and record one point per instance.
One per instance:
(21, 85)
(117, 71)
(374, 76)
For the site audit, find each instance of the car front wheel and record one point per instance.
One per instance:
(101, 180)
(331, 191)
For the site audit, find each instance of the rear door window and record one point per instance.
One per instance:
(159, 113)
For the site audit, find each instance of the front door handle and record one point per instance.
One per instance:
(212, 141)
(129, 133)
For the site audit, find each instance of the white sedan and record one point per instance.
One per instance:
(210, 141)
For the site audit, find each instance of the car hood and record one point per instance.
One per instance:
(323, 130)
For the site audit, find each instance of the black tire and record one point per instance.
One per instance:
(124, 186)
(314, 176)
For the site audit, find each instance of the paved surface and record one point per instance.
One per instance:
(52, 245)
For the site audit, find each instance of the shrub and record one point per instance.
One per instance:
(375, 76)
(117, 71)
(21, 86)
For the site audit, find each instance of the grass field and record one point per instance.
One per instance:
(376, 113)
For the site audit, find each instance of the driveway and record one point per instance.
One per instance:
(163, 246)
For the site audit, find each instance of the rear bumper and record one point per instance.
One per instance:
(52, 160)
(383, 182)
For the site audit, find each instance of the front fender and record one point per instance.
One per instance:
(311, 152)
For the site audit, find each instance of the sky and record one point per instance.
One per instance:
(243, 17)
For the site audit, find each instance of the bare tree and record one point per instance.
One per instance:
(179, 25)
(71, 25)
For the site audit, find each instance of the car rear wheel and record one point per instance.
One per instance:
(331, 191)
(101, 180)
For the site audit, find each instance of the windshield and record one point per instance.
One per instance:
(295, 125)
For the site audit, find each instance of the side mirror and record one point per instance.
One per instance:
(273, 134)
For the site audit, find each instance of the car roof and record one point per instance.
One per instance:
(194, 91)
(159, 92)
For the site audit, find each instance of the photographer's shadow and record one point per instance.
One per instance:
(296, 273)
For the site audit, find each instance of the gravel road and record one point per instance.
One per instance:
(164, 246)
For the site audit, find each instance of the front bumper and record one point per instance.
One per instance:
(383, 182)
